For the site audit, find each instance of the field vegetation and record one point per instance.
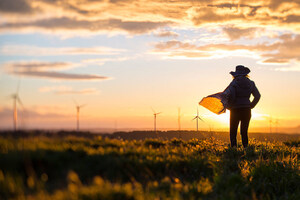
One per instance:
(65, 165)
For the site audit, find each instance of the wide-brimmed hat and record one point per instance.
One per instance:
(240, 70)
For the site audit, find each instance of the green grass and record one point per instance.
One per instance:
(94, 167)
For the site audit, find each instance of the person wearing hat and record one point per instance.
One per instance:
(240, 90)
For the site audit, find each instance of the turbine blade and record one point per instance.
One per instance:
(83, 105)
(200, 118)
(20, 102)
(18, 87)
(158, 113)
(153, 110)
(12, 96)
(181, 114)
(75, 102)
(194, 118)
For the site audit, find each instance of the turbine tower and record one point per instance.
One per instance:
(16, 100)
(179, 119)
(276, 124)
(179, 127)
(197, 117)
(78, 111)
(155, 114)
(270, 122)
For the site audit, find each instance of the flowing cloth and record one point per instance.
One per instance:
(216, 103)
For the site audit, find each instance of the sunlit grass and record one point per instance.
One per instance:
(75, 167)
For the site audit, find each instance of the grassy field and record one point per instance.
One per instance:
(85, 166)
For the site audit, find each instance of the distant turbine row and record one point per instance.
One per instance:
(17, 100)
(179, 118)
(276, 122)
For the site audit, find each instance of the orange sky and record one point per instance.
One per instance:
(123, 57)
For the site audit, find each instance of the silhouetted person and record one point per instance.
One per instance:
(240, 106)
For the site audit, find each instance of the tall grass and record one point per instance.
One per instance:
(75, 167)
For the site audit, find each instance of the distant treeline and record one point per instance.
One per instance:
(141, 135)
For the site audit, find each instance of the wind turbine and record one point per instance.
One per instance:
(78, 110)
(179, 118)
(16, 100)
(116, 125)
(276, 124)
(155, 113)
(270, 122)
(197, 117)
(179, 124)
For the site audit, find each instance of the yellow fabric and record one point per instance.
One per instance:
(213, 104)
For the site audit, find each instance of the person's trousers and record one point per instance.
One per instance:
(243, 116)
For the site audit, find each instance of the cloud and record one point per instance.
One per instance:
(166, 34)
(275, 60)
(277, 4)
(15, 6)
(270, 14)
(292, 19)
(210, 15)
(50, 114)
(101, 61)
(59, 75)
(140, 16)
(293, 68)
(26, 50)
(235, 33)
(285, 50)
(72, 24)
(174, 44)
(47, 70)
(36, 65)
(288, 49)
(251, 9)
(65, 90)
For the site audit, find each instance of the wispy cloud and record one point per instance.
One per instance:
(47, 70)
(166, 34)
(235, 33)
(26, 50)
(65, 90)
(37, 66)
(72, 24)
(293, 68)
(285, 50)
(101, 61)
(5, 114)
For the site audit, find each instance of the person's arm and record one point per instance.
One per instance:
(256, 95)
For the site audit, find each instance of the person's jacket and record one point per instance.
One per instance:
(240, 90)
